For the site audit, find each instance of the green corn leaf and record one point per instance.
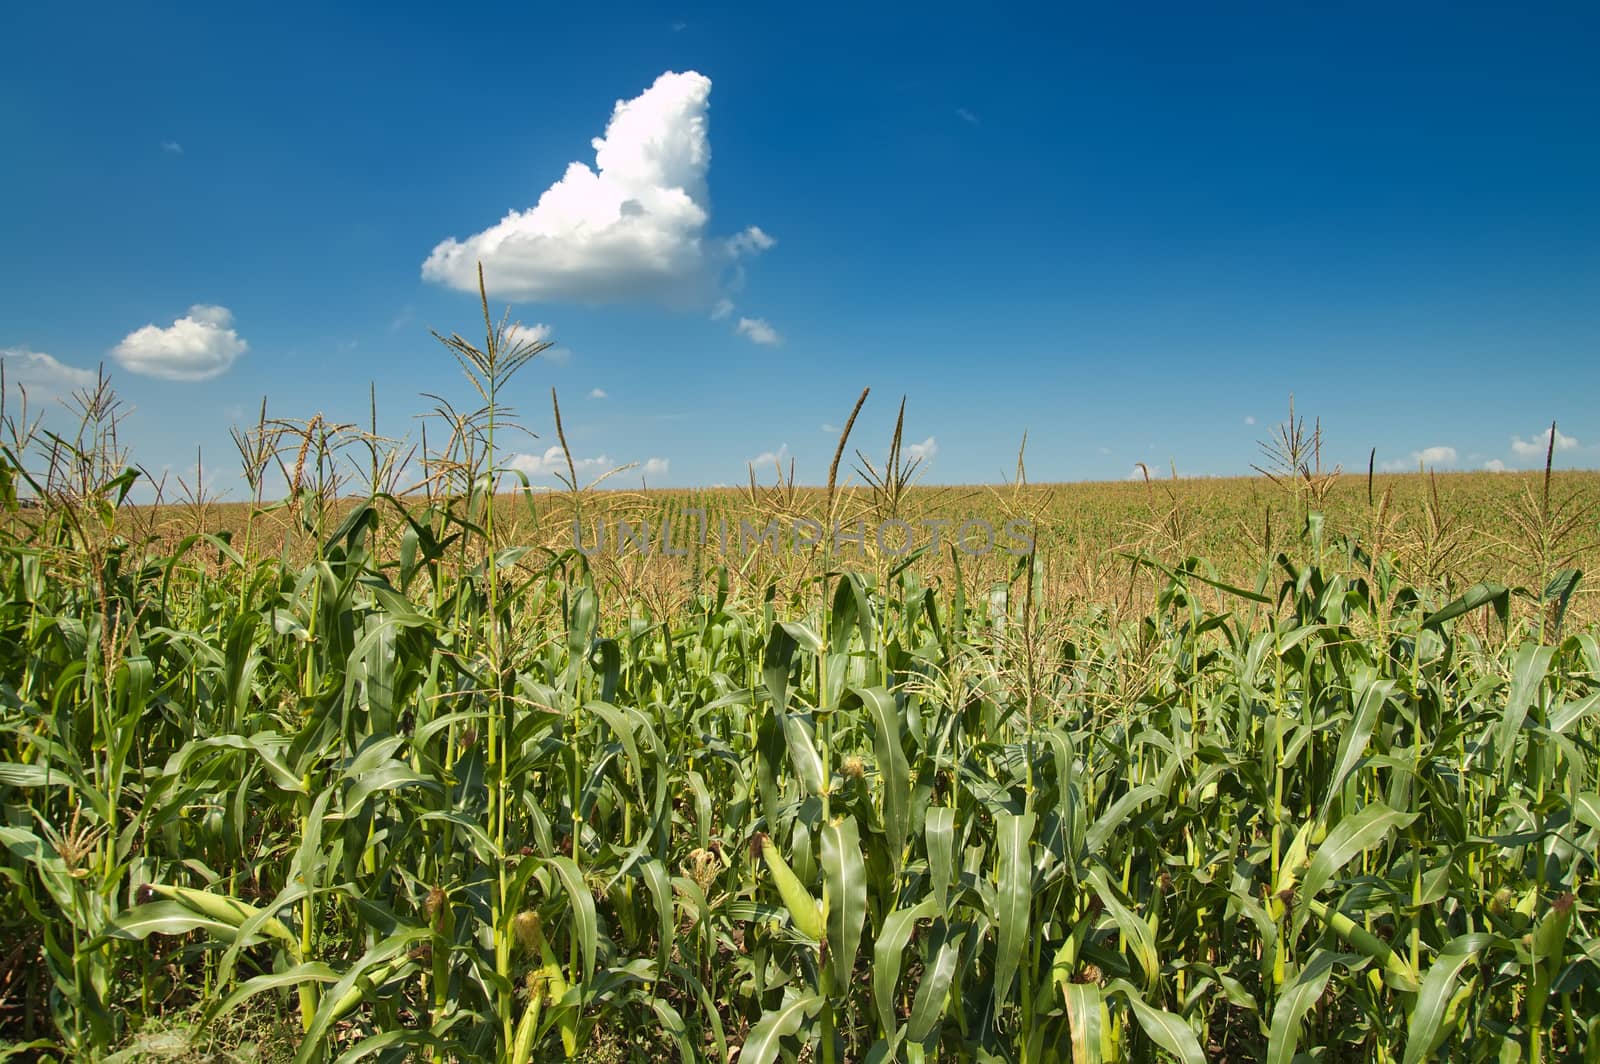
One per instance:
(1084, 1005)
(1013, 895)
(888, 953)
(1528, 671)
(764, 1042)
(892, 764)
(584, 925)
(940, 833)
(928, 1004)
(845, 873)
(1425, 1024)
(1164, 1028)
(1352, 835)
(1296, 1000)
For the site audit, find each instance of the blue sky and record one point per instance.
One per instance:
(1130, 232)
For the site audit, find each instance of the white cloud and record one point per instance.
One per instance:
(1427, 458)
(42, 377)
(199, 345)
(554, 461)
(633, 227)
(172, 147)
(768, 459)
(926, 451)
(598, 393)
(828, 427)
(1104, 450)
(1539, 444)
(722, 309)
(759, 331)
(966, 116)
(518, 333)
(1494, 465)
(1249, 419)
(752, 241)
(1436, 456)
(537, 333)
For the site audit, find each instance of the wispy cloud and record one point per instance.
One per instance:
(538, 333)
(721, 309)
(553, 460)
(598, 393)
(172, 147)
(758, 331)
(552, 463)
(42, 377)
(1538, 445)
(770, 459)
(1249, 419)
(967, 116)
(750, 242)
(1436, 457)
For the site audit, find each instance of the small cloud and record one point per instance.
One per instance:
(722, 309)
(1428, 458)
(42, 377)
(1436, 456)
(554, 461)
(768, 459)
(1140, 472)
(925, 451)
(172, 147)
(519, 333)
(538, 333)
(200, 345)
(829, 428)
(679, 26)
(1538, 445)
(1249, 419)
(1104, 450)
(1494, 465)
(752, 241)
(402, 318)
(552, 464)
(966, 116)
(759, 331)
(598, 393)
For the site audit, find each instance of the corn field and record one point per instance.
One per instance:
(422, 792)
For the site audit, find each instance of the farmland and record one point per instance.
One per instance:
(1203, 770)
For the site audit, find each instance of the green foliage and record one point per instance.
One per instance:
(430, 795)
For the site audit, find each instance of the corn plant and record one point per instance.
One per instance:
(426, 791)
